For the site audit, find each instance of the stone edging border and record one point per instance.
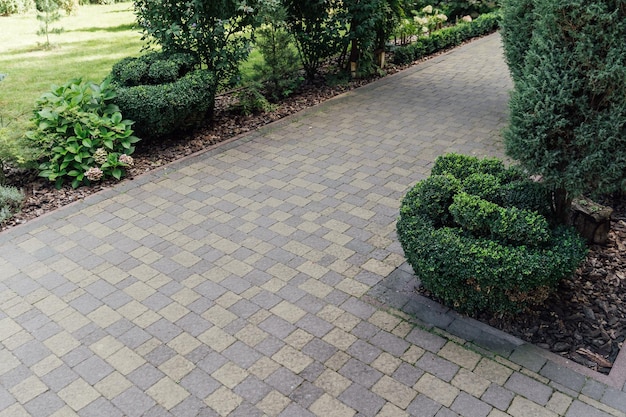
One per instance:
(397, 291)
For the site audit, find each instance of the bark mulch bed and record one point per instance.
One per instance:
(584, 320)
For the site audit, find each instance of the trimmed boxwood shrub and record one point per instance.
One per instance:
(158, 110)
(446, 38)
(474, 253)
(152, 68)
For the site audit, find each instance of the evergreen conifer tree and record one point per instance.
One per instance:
(568, 107)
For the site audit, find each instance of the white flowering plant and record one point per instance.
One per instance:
(80, 135)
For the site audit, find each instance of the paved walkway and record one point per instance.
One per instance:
(231, 283)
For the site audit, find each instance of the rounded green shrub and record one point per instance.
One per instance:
(478, 255)
(161, 109)
(152, 68)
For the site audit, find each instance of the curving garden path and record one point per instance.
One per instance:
(232, 283)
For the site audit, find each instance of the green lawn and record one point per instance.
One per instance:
(92, 41)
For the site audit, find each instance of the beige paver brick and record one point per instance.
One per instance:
(223, 401)
(339, 338)
(493, 371)
(113, 385)
(336, 361)
(7, 361)
(174, 312)
(132, 309)
(185, 296)
(346, 321)
(46, 365)
(292, 359)
(394, 391)
(230, 374)
(251, 335)
(436, 389)
(15, 410)
(139, 290)
(521, 407)
(28, 389)
(352, 287)
(329, 313)
(125, 360)
(298, 338)
(507, 363)
(274, 285)
(312, 269)
(378, 267)
(167, 393)
(327, 406)
(217, 339)
(50, 305)
(73, 321)
(17, 340)
(78, 394)
(288, 311)
(386, 363)
(332, 382)
(177, 367)
(184, 343)
(559, 403)
(402, 329)
(470, 382)
(273, 403)
(316, 288)
(459, 355)
(61, 343)
(227, 299)
(104, 316)
(263, 368)
(384, 320)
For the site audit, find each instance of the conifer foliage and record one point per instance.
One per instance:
(568, 107)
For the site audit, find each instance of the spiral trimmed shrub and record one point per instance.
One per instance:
(476, 253)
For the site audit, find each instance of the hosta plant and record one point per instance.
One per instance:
(82, 137)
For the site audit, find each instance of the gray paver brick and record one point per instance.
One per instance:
(563, 376)
(306, 394)
(615, 398)
(441, 368)
(529, 388)
(498, 397)
(362, 400)
(359, 372)
(578, 409)
(469, 406)
(426, 340)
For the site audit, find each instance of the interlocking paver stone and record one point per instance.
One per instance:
(238, 282)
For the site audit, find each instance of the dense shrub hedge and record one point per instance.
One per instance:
(152, 68)
(446, 38)
(161, 109)
(474, 247)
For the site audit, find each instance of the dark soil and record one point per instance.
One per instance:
(584, 320)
